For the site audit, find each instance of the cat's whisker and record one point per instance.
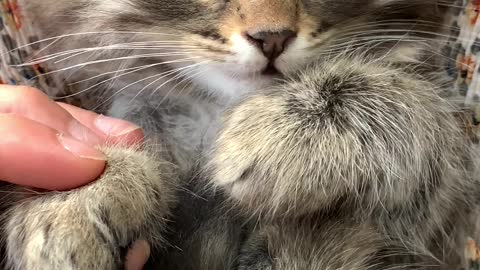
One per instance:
(344, 47)
(156, 80)
(129, 72)
(190, 80)
(367, 32)
(75, 53)
(110, 72)
(165, 83)
(132, 57)
(369, 35)
(66, 58)
(162, 75)
(380, 40)
(434, 35)
(447, 3)
(395, 22)
(190, 50)
(59, 37)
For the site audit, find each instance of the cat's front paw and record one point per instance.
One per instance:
(91, 227)
(59, 233)
(339, 131)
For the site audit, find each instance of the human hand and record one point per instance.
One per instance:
(43, 143)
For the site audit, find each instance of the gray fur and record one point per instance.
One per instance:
(86, 228)
(352, 160)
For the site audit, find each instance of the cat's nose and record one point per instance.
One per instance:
(272, 44)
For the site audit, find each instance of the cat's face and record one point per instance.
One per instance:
(236, 46)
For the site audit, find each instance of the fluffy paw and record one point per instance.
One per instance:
(340, 130)
(60, 233)
(88, 228)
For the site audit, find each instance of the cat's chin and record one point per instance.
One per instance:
(230, 86)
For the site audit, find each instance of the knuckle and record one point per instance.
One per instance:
(9, 124)
(13, 97)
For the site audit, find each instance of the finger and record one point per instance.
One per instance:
(137, 256)
(111, 130)
(35, 105)
(32, 154)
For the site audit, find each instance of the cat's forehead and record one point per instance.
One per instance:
(258, 7)
(251, 13)
(222, 18)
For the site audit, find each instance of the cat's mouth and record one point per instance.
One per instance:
(271, 70)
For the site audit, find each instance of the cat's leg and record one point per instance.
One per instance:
(346, 129)
(254, 253)
(89, 227)
(305, 245)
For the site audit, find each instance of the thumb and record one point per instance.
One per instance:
(35, 155)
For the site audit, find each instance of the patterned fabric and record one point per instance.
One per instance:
(16, 32)
(462, 65)
(463, 58)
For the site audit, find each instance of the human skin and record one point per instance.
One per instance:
(50, 145)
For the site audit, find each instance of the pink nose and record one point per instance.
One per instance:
(272, 44)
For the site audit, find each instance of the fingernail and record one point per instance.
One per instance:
(79, 148)
(82, 133)
(114, 127)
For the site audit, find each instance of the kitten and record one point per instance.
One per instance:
(282, 134)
